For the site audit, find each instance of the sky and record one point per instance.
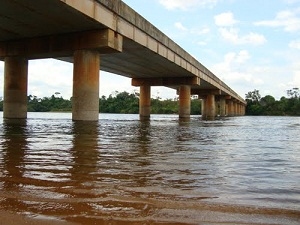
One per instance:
(247, 44)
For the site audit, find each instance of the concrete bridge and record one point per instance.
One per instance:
(107, 34)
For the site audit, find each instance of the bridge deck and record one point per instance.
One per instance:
(146, 51)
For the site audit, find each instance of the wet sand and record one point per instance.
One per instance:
(12, 218)
(206, 217)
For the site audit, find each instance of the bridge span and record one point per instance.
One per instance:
(106, 35)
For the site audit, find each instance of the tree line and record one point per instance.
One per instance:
(267, 105)
(128, 103)
(118, 102)
(124, 102)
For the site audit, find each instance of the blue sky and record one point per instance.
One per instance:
(248, 44)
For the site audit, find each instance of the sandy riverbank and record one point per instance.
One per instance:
(12, 218)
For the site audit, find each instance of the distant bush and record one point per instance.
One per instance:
(257, 105)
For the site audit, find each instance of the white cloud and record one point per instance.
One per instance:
(187, 4)
(45, 77)
(296, 75)
(242, 56)
(179, 26)
(232, 35)
(296, 79)
(225, 19)
(289, 20)
(201, 43)
(234, 70)
(295, 44)
(200, 31)
(197, 31)
(292, 1)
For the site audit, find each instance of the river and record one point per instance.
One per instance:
(120, 170)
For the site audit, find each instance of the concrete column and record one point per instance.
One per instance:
(203, 109)
(184, 101)
(216, 108)
(86, 85)
(15, 88)
(222, 107)
(230, 108)
(210, 107)
(227, 108)
(235, 108)
(145, 101)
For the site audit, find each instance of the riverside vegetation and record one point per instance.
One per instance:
(128, 103)
(268, 106)
(118, 102)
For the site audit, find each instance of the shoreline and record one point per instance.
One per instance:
(13, 218)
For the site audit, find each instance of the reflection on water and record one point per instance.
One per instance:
(164, 171)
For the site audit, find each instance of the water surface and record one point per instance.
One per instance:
(119, 170)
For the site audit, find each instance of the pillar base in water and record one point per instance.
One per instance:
(209, 110)
(145, 102)
(185, 101)
(15, 88)
(86, 85)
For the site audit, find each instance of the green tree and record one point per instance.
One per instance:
(48, 104)
(253, 103)
(253, 96)
(121, 102)
(294, 93)
(195, 107)
(269, 106)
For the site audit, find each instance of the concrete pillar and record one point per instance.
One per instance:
(226, 108)
(222, 107)
(184, 101)
(230, 108)
(235, 108)
(210, 107)
(145, 101)
(86, 85)
(217, 111)
(15, 88)
(203, 109)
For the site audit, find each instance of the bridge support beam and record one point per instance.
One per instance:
(184, 101)
(145, 102)
(15, 88)
(86, 85)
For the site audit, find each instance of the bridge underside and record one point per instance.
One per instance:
(53, 29)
